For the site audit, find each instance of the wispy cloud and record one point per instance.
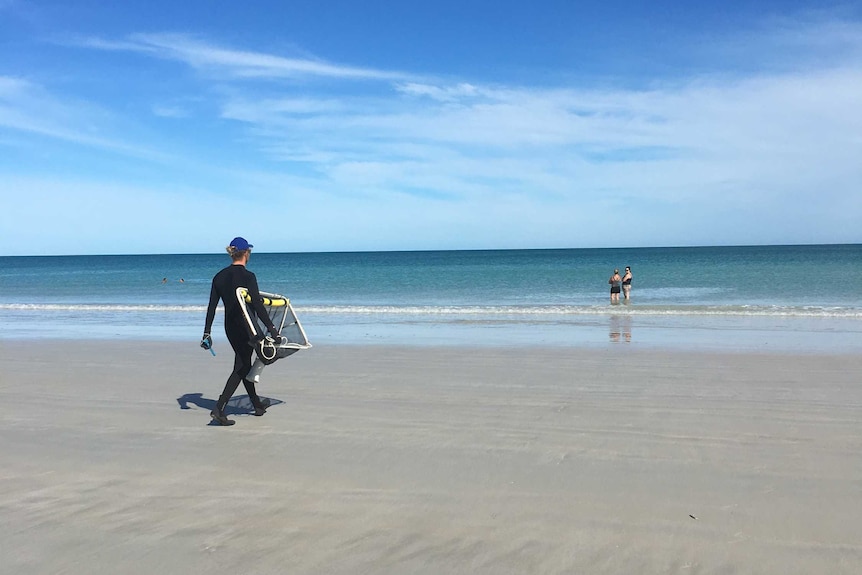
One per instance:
(169, 111)
(450, 156)
(782, 120)
(817, 39)
(440, 93)
(30, 108)
(237, 63)
(750, 131)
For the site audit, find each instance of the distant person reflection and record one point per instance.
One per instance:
(620, 329)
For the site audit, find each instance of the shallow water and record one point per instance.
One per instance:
(793, 298)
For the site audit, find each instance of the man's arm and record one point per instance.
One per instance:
(257, 304)
(211, 309)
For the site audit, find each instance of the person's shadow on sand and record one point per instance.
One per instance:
(238, 405)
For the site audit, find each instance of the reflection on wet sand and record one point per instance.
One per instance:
(620, 329)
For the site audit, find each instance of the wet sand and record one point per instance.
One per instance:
(430, 460)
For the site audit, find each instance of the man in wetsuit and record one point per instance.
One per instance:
(224, 286)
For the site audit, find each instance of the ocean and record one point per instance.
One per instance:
(792, 298)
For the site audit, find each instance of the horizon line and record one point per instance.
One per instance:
(438, 250)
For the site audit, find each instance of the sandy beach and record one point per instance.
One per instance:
(430, 461)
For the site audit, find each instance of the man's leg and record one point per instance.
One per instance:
(237, 342)
(229, 389)
(259, 404)
(243, 367)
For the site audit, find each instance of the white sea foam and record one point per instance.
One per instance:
(467, 311)
(96, 308)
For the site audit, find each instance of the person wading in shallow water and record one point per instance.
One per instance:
(615, 282)
(627, 283)
(224, 286)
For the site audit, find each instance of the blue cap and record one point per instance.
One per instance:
(240, 244)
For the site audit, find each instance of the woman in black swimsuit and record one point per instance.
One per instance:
(627, 282)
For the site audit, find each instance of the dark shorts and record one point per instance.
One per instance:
(615, 289)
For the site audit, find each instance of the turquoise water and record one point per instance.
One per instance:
(790, 297)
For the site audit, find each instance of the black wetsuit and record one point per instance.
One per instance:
(224, 286)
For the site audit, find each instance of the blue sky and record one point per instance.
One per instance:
(170, 127)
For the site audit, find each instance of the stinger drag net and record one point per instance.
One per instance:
(283, 317)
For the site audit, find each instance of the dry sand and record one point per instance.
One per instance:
(430, 461)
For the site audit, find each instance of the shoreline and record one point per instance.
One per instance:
(431, 460)
(724, 334)
(189, 348)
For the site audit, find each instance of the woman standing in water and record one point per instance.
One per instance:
(627, 283)
(615, 281)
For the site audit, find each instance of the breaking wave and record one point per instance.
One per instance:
(470, 310)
